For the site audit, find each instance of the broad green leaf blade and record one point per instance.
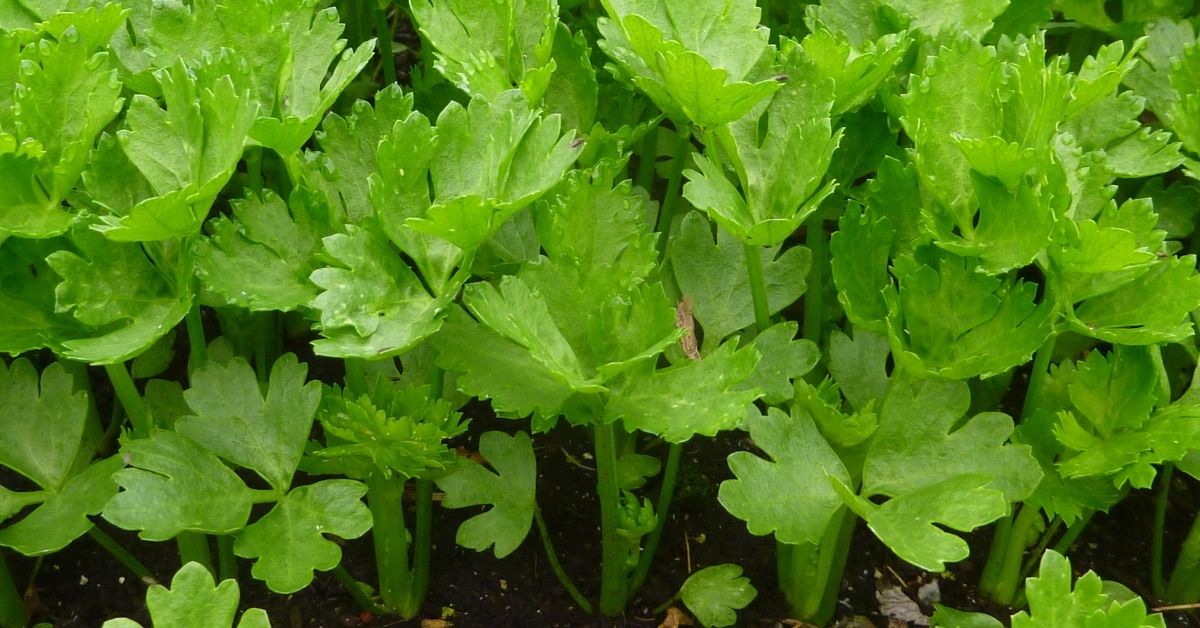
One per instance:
(784, 359)
(922, 440)
(788, 495)
(951, 321)
(946, 616)
(859, 366)
(859, 261)
(1151, 310)
(510, 490)
(372, 304)
(780, 152)
(349, 145)
(518, 312)
(493, 367)
(128, 299)
(308, 87)
(236, 422)
(1053, 601)
(906, 524)
(64, 516)
(187, 151)
(194, 598)
(694, 61)
(715, 594)
(486, 48)
(174, 485)
(695, 398)
(68, 93)
(289, 542)
(42, 429)
(933, 17)
(27, 286)
(261, 258)
(493, 158)
(714, 276)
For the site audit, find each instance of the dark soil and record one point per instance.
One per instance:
(83, 586)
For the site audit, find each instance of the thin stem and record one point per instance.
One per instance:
(1031, 562)
(385, 499)
(129, 398)
(122, 555)
(758, 288)
(12, 605)
(227, 567)
(422, 546)
(1001, 536)
(198, 354)
(1160, 521)
(666, 214)
(193, 548)
(556, 567)
(810, 575)
(648, 153)
(383, 30)
(356, 376)
(1009, 579)
(356, 591)
(613, 591)
(662, 510)
(1037, 376)
(1184, 586)
(1072, 534)
(265, 322)
(254, 177)
(814, 297)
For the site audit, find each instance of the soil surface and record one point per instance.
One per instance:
(83, 586)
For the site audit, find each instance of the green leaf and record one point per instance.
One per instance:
(857, 72)
(289, 542)
(194, 599)
(946, 616)
(973, 17)
(156, 359)
(187, 151)
(1053, 601)
(260, 259)
(572, 91)
(492, 367)
(784, 359)
(955, 95)
(174, 485)
(517, 312)
(391, 429)
(68, 93)
(493, 158)
(715, 593)
(41, 433)
(714, 276)
(308, 87)
(234, 421)
(510, 490)
(695, 398)
(788, 494)
(486, 48)
(63, 517)
(399, 191)
(951, 321)
(348, 152)
(860, 366)
(27, 299)
(1151, 310)
(922, 440)
(860, 249)
(906, 524)
(693, 65)
(372, 304)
